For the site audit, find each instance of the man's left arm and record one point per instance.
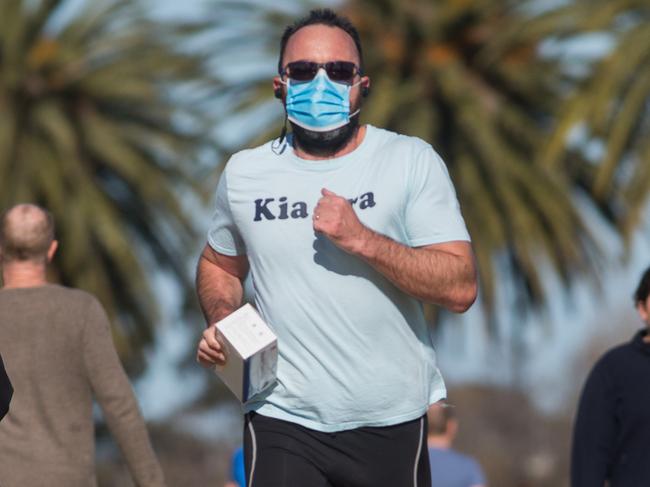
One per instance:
(114, 393)
(443, 273)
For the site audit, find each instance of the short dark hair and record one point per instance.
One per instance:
(643, 289)
(321, 17)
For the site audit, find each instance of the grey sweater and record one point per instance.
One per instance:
(58, 351)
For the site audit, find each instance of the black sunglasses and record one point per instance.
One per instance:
(342, 71)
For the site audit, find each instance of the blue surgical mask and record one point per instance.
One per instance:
(320, 104)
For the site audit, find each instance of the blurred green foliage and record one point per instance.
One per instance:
(611, 104)
(92, 129)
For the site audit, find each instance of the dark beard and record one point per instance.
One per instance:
(324, 144)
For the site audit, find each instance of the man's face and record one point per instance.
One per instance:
(643, 308)
(322, 44)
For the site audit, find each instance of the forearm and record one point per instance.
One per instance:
(128, 428)
(112, 389)
(219, 292)
(443, 273)
(431, 275)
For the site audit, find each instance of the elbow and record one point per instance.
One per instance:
(464, 298)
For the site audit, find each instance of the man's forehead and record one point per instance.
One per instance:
(321, 43)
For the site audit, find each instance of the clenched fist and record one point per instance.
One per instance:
(335, 218)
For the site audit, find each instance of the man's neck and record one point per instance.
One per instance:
(353, 143)
(23, 274)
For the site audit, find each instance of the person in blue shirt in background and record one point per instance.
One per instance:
(449, 468)
(237, 473)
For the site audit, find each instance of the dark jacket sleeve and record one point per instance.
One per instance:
(6, 391)
(595, 430)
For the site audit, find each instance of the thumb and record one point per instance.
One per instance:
(327, 192)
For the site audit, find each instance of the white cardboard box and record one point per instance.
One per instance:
(251, 351)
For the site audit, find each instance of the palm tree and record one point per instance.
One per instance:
(610, 106)
(466, 77)
(94, 126)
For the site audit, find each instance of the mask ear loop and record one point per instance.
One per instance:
(358, 109)
(276, 146)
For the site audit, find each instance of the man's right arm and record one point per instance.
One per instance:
(219, 285)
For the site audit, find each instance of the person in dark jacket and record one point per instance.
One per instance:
(6, 391)
(611, 435)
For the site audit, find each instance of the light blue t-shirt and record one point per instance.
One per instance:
(353, 349)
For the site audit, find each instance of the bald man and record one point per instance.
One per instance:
(58, 351)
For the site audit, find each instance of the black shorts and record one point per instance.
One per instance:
(282, 454)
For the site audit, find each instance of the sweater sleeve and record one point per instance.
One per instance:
(114, 394)
(6, 391)
(595, 430)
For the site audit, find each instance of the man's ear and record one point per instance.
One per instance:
(278, 88)
(365, 86)
(52, 250)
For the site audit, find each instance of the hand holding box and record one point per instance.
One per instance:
(251, 350)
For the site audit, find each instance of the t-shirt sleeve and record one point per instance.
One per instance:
(223, 235)
(432, 212)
